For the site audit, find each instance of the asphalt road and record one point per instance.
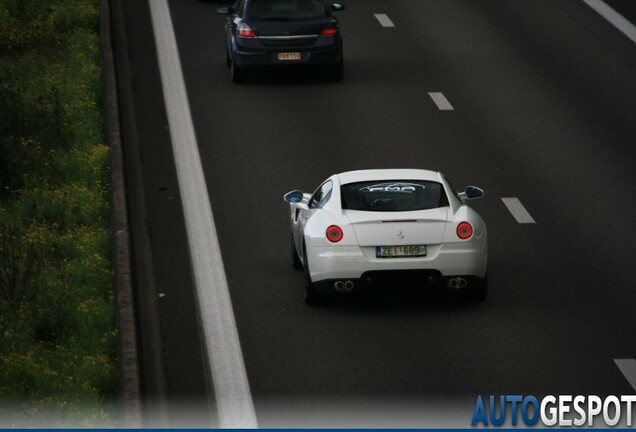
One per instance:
(544, 98)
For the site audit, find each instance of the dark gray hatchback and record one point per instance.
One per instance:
(282, 34)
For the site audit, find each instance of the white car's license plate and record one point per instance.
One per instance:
(399, 251)
(285, 56)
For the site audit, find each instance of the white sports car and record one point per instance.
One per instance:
(388, 227)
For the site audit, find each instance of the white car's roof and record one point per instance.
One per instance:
(388, 174)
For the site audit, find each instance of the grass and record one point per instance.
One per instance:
(57, 327)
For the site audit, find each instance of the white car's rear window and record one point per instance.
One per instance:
(393, 195)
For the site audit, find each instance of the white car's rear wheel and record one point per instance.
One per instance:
(480, 292)
(312, 298)
(296, 262)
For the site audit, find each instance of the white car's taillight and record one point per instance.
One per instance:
(464, 230)
(334, 234)
(244, 31)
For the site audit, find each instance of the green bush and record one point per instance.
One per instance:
(57, 330)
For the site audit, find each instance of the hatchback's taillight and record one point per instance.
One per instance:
(334, 234)
(330, 30)
(245, 31)
(464, 230)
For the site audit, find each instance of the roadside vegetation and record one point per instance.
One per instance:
(57, 326)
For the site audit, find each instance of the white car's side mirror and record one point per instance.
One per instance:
(471, 192)
(294, 196)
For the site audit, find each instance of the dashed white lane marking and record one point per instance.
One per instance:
(518, 210)
(227, 368)
(628, 368)
(440, 100)
(616, 19)
(384, 20)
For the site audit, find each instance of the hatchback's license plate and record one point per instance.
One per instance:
(286, 56)
(399, 251)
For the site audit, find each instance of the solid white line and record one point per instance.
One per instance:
(384, 20)
(440, 100)
(616, 19)
(232, 392)
(628, 368)
(518, 210)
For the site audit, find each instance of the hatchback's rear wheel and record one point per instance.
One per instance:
(238, 73)
(337, 71)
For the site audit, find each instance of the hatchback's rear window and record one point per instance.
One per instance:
(285, 10)
(393, 195)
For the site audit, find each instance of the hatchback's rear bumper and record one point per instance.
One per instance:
(256, 54)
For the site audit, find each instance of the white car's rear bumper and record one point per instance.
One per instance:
(351, 262)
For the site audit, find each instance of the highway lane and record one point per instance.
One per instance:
(542, 112)
(626, 8)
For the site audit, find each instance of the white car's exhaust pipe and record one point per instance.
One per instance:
(343, 286)
(457, 283)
